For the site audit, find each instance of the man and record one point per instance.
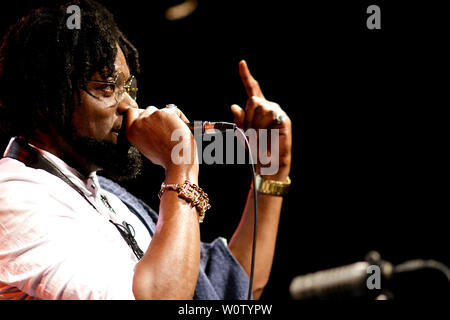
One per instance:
(68, 96)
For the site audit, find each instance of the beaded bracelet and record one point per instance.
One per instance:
(190, 192)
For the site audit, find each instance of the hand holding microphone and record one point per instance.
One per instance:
(151, 131)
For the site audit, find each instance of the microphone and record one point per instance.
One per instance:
(207, 126)
(341, 281)
(325, 283)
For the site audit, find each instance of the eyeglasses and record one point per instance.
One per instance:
(119, 86)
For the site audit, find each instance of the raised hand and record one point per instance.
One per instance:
(260, 113)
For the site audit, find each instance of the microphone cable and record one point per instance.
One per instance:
(418, 264)
(205, 127)
(255, 211)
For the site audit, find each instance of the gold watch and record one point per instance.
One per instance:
(272, 187)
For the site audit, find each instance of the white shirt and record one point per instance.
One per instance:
(54, 244)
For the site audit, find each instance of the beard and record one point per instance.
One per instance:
(120, 162)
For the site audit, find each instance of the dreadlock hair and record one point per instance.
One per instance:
(43, 64)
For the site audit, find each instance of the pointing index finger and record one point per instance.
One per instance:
(251, 85)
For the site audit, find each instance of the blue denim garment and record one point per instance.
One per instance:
(220, 277)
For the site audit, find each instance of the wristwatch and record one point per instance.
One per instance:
(272, 187)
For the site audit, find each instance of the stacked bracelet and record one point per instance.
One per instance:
(190, 192)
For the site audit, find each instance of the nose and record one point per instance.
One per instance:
(126, 103)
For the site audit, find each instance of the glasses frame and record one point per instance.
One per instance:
(132, 92)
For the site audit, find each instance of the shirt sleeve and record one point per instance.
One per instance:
(51, 250)
(221, 276)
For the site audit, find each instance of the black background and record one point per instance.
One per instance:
(369, 169)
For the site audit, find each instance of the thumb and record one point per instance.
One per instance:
(239, 115)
